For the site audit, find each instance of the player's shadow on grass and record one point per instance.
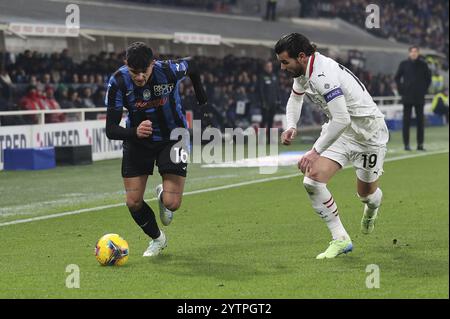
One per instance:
(396, 258)
(409, 265)
(237, 266)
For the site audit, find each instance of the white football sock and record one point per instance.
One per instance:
(373, 202)
(325, 206)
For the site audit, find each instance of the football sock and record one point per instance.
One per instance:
(325, 206)
(145, 218)
(373, 201)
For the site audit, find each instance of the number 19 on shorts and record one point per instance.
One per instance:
(369, 160)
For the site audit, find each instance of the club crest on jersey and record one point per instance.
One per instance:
(326, 86)
(146, 94)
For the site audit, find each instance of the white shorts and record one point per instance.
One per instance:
(367, 156)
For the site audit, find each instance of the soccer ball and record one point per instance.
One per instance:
(111, 250)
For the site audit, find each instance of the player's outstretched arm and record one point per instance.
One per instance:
(194, 75)
(288, 136)
(293, 111)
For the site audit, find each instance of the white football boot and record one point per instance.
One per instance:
(156, 246)
(165, 215)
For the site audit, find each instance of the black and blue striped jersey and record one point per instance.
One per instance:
(158, 100)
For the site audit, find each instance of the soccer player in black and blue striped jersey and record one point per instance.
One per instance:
(148, 89)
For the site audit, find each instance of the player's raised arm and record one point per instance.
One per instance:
(188, 66)
(194, 74)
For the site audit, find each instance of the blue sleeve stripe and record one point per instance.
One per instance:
(113, 98)
(119, 100)
(334, 93)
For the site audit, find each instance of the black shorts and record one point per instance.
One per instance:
(140, 160)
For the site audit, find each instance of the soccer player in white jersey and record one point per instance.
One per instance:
(356, 133)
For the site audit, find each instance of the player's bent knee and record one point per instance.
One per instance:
(315, 174)
(134, 204)
(172, 204)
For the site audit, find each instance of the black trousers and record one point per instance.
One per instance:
(407, 109)
(441, 110)
(271, 10)
(267, 121)
(267, 117)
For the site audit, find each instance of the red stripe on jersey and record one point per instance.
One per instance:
(298, 92)
(311, 64)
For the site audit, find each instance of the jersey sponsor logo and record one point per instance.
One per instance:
(334, 93)
(163, 89)
(150, 104)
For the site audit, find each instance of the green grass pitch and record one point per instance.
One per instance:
(253, 241)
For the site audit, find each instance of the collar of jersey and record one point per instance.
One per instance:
(310, 66)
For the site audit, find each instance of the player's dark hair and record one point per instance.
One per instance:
(413, 47)
(293, 44)
(138, 56)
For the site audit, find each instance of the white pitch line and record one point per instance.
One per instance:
(200, 191)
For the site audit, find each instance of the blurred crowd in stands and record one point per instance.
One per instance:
(416, 22)
(217, 6)
(419, 22)
(36, 81)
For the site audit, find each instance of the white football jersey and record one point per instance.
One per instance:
(325, 80)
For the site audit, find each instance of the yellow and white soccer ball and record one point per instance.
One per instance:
(111, 250)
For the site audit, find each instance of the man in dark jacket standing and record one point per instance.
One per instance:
(269, 94)
(413, 79)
